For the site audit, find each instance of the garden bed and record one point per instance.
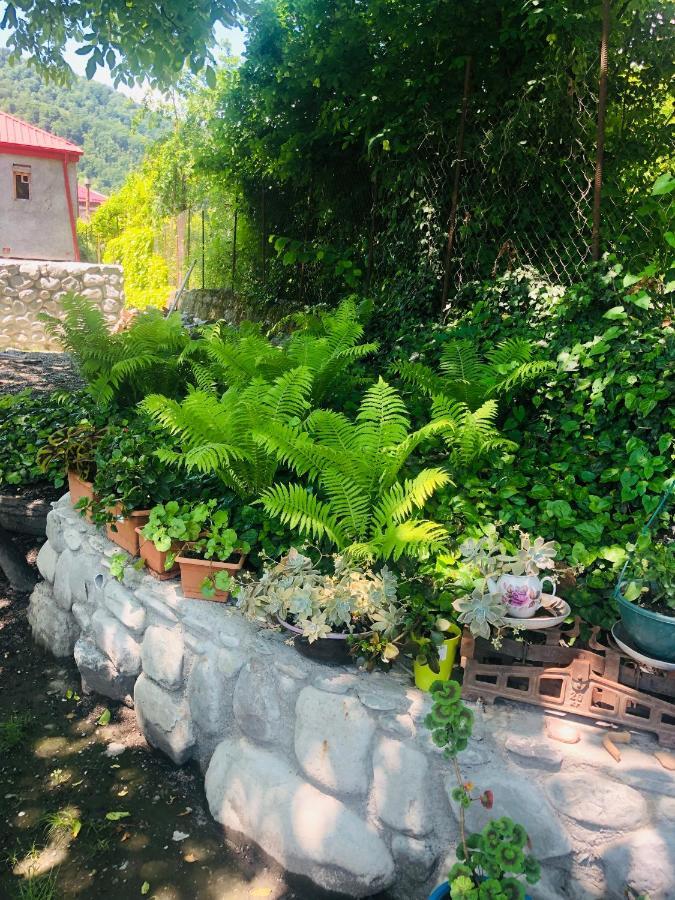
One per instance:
(330, 770)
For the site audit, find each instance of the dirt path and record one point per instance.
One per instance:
(76, 822)
(41, 371)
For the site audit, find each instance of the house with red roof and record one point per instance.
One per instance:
(38, 193)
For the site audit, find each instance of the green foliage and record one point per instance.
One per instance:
(216, 433)
(174, 521)
(369, 95)
(492, 858)
(113, 131)
(135, 40)
(651, 579)
(121, 368)
(506, 369)
(368, 511)
(125, 226)
(220, 541)
(595, 443)
(326, 345)
(14, 730)
(450, 721)
(130, 473)
(27, 421)
(489, 860)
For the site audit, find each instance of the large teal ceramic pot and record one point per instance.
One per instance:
(652, 632)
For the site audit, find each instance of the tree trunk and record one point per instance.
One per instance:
(13, 564)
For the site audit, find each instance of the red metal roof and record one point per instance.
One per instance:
(18, 133)
(94, 196)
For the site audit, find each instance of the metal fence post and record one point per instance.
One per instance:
(234, 242)
(600, 139)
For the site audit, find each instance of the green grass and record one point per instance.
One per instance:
(42, 887)
(13, 731)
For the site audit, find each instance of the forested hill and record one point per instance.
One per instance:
(111, 129)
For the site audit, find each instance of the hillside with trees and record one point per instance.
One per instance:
(113, 131)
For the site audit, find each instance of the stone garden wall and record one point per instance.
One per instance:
(331, 771)
(31, 287)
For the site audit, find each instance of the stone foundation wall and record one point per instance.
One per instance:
(32, 287)
(331, 771)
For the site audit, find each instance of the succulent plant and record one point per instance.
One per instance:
(490, 861)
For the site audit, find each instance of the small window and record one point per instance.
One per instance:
(22, 182)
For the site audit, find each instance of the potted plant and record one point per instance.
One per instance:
(647, 600)
(332, 616)
(169, 527)
(432, 640)
(74, 449)
(208, 565)
(131, 479)
(494, 583)
(491, 863)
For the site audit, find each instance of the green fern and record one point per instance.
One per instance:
(215, 433)
(327, 346)
(359, 505)
(472, 380)
(122, 368)
(465, 392)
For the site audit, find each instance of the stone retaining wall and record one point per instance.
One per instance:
(331, 771)
(31, 287)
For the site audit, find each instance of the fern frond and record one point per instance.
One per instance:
(402, 499)
(301, 510)
(420, 376)
(414, 537)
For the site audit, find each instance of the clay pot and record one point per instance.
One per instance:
(80, 488)
(124, 533)
(194, 571)
(155, 560)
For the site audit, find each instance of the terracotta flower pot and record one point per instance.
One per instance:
(155, 559)
(124, 533)
(80, 488)
(194, 571)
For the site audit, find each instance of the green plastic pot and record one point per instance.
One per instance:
(652, 632)
(425, 676)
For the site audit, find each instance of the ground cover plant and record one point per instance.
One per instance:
(594, 440)
(27, 422)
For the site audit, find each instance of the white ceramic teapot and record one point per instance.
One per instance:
(522, 593)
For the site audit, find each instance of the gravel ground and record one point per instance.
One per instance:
(20, 369)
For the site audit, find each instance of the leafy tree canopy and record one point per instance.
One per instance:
(134, 39)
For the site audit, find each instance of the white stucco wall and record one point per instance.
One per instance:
(38, 228)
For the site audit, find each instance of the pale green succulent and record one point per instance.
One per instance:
(480, 611)
(349, 601)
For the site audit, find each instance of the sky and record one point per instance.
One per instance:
(232, 36)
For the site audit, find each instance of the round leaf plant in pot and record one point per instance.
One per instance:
(647, 600)
(131, 480)
(333, 616)
(208, 565)
(495, 861)
(169, 528)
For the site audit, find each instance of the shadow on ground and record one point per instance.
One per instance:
(84, 824)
